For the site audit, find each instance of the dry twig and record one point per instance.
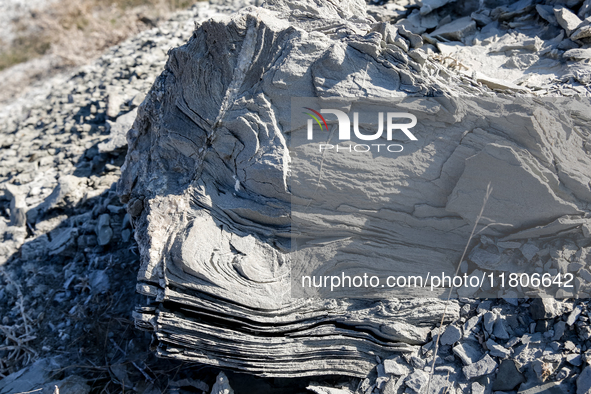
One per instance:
(478, 218)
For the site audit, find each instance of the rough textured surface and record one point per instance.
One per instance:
(215, 195)
(206, 182)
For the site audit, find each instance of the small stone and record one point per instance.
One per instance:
(427, 6)
(488, 321)
(135, 207)
(567, 20)
(529, 251)
(581, 32)
(451, 335)
(465, 310)
(456, 30)
(18, 205)
(99, 282)
(563, 294)
(467, 352)
(585, 275)
(471, 326)
(496, 84)
(477, 388)
(584, 381)
(578, 54)
(419, 56)
(415, 40)
(572, 318)
(585, 9)
(508, 377)
(584, 332)
(559, 330)
(546, 12)
(484, 306)
(531, 338)
(527, 353)
(499, 330)
(545, 308)
(416, 380)
(115, 209)
(574, 359)
(118, 133)
(126, 235)
(62, 241)
(483, 367)
(395, 366)
(103, 231)
(497, 350)
(114, 102)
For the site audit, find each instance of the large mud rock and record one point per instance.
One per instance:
(207, 181)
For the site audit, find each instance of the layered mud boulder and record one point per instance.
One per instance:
(213, 184)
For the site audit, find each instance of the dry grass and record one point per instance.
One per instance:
(78, 30)
(16, 336)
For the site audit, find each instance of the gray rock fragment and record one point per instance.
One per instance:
(578, 54)
(573, 316)
(456, 30)
(415, 40)
(417, 380)
(584, 381)
(67, 192)
(527, 353)
(483, 367)
(477, 388)
(118, 134)
(547, 12)
(545, 308)
(574, 359)
(103, 230)
(585, 9)
(451, 335)
(18, 206)
(396, 366)
(35, 248)
(471, 325)
(545, 388)
(497, 350)
(469, 352)
(429, 6)
(567, 20)
(99, 281)
(499, 330)
(529, 251)
(135, 207)
(114, 101)
(62, 239)
(488, 322)
(327, 390)
(508, 377)
(126, 235)
(559, 328)
(581, 32)
(30, 378)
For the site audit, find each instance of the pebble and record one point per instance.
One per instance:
(483, 367)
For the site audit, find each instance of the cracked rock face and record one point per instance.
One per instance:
(207, 182)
